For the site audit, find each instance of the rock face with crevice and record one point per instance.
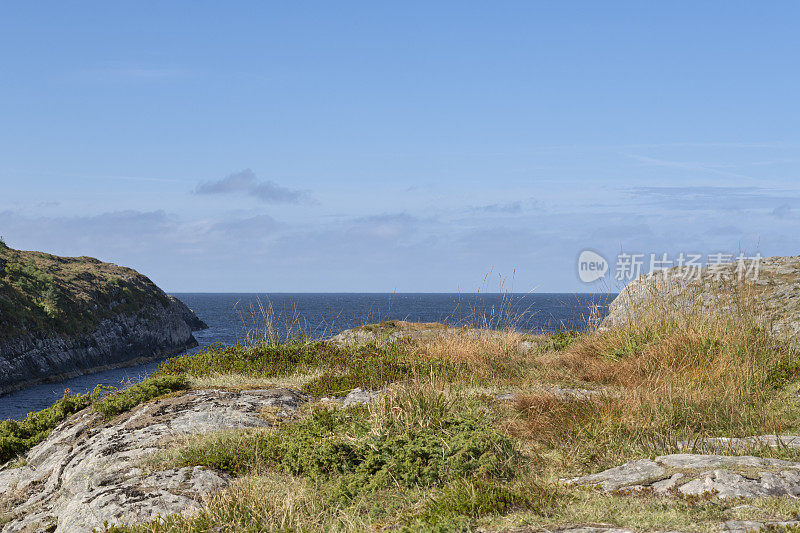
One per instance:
(158, 331)
(89, 471)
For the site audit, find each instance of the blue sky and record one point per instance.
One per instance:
(414, 146)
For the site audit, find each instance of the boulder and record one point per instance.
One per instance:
(772, 287)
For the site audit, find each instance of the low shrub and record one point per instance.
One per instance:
(259, 360)
(124, 400)
(561, 340)
(368, 366)
(478, 497)
(341, 447)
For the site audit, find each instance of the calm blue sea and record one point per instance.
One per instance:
(231, 316)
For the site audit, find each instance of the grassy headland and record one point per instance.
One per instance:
(45, 294)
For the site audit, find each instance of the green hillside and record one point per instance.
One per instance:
(42, 293)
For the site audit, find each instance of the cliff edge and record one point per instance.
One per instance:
(65, 316)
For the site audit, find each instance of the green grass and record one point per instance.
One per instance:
(338, 446)
(367, 366)
(460, 502)
(435, 465)
(561, 340)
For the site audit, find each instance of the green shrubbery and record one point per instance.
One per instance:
(18, 436)
(339, 446)
(473, 498)
(126, 399)
(260, 360)
(464, 466)
(561, 340)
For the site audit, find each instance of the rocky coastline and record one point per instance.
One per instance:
(124, 340)
(571, 432)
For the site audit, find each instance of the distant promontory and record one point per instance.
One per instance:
(62, 317)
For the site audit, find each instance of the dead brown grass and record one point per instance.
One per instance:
(490, 355)
(676, 376)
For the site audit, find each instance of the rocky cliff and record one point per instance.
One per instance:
(768, 288)
(65, 316)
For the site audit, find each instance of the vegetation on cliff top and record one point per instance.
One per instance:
(46, 294)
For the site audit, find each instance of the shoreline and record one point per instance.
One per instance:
(96, 369)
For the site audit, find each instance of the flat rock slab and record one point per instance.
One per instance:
(594, 529)
(691, 474)
(582, 529)
(731, 526)
(561, 393)
(88, 470)
(575, 394)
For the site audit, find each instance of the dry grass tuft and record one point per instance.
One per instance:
(418, 404)
(244, 381)
(489, 355)
(270, 502)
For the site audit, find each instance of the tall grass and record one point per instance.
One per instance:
(262, 325)
(680, 364)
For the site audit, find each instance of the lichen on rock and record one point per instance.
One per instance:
(90, 470)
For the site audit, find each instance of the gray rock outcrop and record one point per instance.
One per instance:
(89, 471)
(692, 474)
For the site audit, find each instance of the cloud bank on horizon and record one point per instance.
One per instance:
(413, 149)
